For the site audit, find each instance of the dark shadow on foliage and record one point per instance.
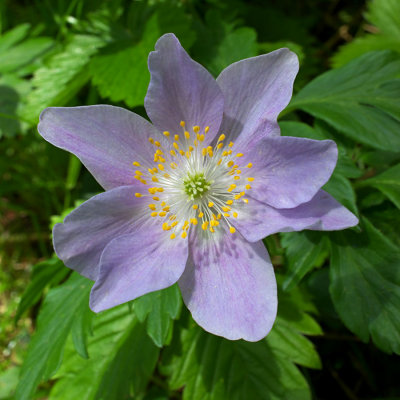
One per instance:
(9, 124)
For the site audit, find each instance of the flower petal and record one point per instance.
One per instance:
(85, 232)
(289, 171)
(181, 90)
(229, 286)
(136, 264)
(106, 139)
(322, 213)
(255, 91)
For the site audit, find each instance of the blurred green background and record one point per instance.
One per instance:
(339, 316)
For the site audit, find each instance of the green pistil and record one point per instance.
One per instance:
(196, 185)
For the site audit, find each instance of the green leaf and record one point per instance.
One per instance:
(221, 43)
(385, 15)
(45, 273)
(54, 323)
(24, 53)
(122, 359)
(365, 285)
(388, 182)
(160, 308)
(358, 99)
(293, 321)
(120, 70)
(211, 368)
(304, 251)
(68, 69)
(13, 36)
(8, 382)
(340, 188)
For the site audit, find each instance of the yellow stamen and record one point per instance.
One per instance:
(187, 135)
(166, 133)
(210, 204)
(221, 138)
(173, 236)
(249, 165)
(196, 129)
(195, 206)
(182, 124)
(232, 229)
(136, 164)
(176, 137)
(184, 234)
(154, 214)
(138, 195)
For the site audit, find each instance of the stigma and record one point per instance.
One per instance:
(189, 185)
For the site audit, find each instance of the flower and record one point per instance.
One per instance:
(189, 198)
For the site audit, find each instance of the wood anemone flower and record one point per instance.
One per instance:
(188, 198)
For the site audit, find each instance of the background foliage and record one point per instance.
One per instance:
(338, 327)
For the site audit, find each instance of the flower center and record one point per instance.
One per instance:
(197, 186)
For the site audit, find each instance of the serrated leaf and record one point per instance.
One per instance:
(67, 69)
(211, 368)
(13, 36)
(385, 15)
(220, 43)
(122, 359)
(45, 273)
(160, 309)
(358, 100)
(53, 327)
(388, 182)
(120, 71)
(365, 285)
(304, 251)
(24, 53)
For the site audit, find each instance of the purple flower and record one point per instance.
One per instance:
(189, 198)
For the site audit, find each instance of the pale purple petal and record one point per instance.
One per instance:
(229, 287)
(181, 90)
(255, 91)
(106, 139)
(323, 213)
(136, 264)
(85, 232)
(289, 171)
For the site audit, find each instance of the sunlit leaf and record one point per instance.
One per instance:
(160, 308)
(53, 327)
(122, 359)
(385, 15)
(44, 274)
(360, 99)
